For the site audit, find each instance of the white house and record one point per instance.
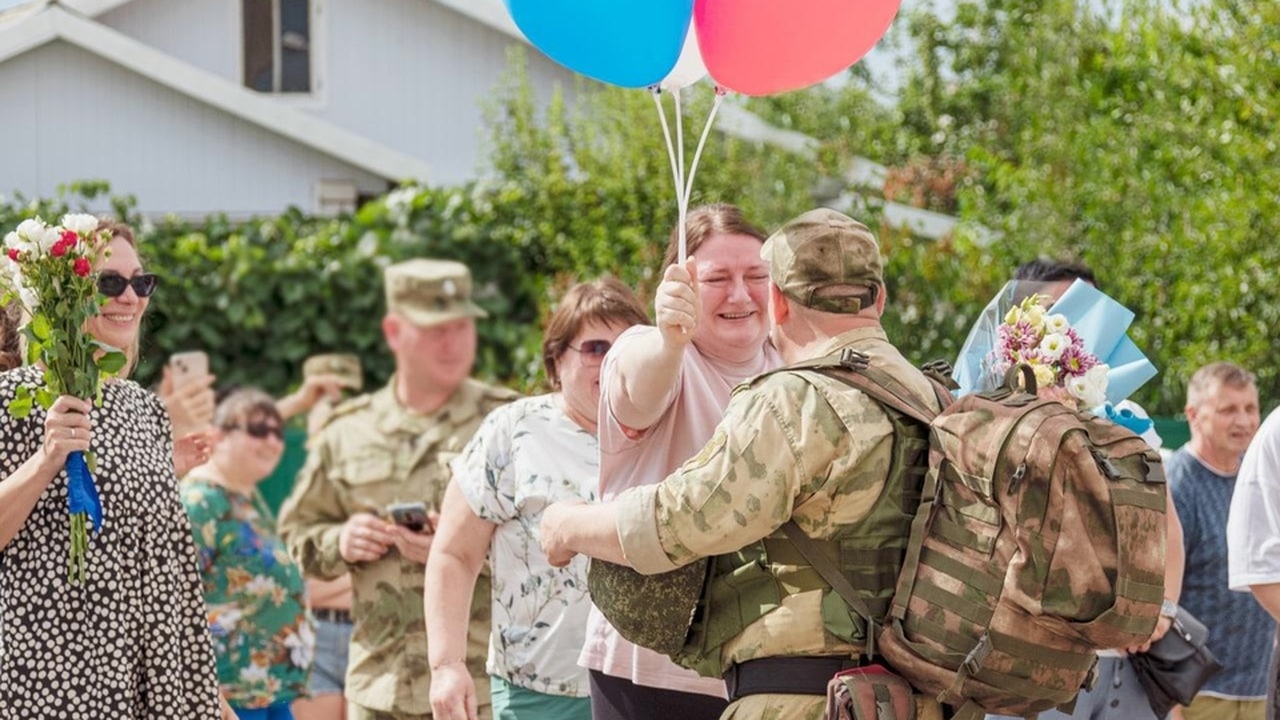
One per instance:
(248, 106)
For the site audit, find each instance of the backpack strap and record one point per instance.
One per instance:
(836, 579)
(855, 370)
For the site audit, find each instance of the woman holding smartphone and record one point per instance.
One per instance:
(262, 636)
(525, 456)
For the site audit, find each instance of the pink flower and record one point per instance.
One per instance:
(82, 267)
(14, 255)
(69, 237)
(60, 248)
(1075, 361)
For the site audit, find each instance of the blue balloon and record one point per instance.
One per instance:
(632, 43)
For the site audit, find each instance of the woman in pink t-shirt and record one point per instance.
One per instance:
(663, 391)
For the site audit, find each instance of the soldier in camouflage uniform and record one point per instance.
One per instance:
(791, 446)
(393, 446)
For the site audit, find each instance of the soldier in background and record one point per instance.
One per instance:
(393, 446)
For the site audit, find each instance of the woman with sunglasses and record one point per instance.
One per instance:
(131, 640)
(262, 637)
(525, 455)
(663, 391)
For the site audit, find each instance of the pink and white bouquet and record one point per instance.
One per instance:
(1045, 341)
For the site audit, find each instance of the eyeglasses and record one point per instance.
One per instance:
(593, 348)
(262, 430)
(113, 284)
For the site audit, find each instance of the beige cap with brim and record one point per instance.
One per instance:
(429, 292)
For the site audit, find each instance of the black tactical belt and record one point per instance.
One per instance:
(784, 675)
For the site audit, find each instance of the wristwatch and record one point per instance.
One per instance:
(1168, 608)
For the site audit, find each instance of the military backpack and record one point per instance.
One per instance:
(1039, 540)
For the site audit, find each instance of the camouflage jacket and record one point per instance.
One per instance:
(790, 447)
(373, 453)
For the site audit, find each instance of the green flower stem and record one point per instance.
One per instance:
(79, 548)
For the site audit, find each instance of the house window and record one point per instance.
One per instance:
(277, 45)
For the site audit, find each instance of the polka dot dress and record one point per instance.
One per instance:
(133, 640)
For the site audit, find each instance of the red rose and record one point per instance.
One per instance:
(14, 255)
(60, 248)
(82, 267)
(69, 237)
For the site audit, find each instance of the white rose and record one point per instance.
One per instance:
(31, 230)
(49, 238)
(80, 223)
(29, 299)
(1091, 387)
(13, 241)
(1057, 324)
(1053, 345)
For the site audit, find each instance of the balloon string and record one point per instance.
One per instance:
(671, 157)
(697, 155)
(682, 190)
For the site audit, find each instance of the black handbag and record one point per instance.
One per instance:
(1177, 665)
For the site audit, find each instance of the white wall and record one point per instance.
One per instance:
(176, 154)
(203, 33)
(412, 74)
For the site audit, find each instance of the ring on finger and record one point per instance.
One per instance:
(73, 433)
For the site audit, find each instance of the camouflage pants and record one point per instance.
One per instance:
(359, 712)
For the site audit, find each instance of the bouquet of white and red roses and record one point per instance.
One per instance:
(49, 271)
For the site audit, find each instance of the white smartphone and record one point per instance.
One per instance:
(188, 366)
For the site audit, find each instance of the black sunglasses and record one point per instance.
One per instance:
(262, 430)
(113, 284)
(594, 348)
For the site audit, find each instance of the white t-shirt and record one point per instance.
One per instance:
(695, 407)
(525, 456)
(1253, 527)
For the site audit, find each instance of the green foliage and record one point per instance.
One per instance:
(1141, 142)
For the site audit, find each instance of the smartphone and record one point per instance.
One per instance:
(411, 515)
(188, 366)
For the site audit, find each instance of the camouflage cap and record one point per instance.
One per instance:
(430, 292)
(345, 367)
(823, 248)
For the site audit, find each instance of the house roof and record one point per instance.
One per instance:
(30, 26)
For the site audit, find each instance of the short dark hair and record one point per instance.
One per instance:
(1049, 270)
(606, 301)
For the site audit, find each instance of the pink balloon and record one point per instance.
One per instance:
(761, 47)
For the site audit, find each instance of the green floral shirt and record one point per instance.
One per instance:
(262, 635)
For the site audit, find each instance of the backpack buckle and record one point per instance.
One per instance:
(853, 359)
(940, 370)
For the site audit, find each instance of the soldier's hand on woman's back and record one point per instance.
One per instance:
(676, 304)
(555, 544)
(364, 538)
